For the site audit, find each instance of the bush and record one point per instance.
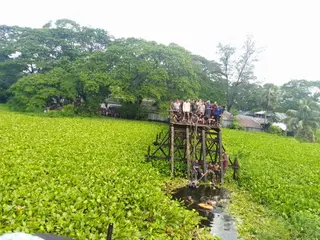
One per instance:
(134, 111)
(275, 130)
(236, 125)
(235, 112)
(66, 111)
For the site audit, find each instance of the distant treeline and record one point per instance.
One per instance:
(63, 62)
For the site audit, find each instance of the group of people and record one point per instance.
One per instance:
(192, 111)
(110, 111)
(213, 169)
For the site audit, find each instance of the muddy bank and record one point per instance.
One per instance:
(214, 201)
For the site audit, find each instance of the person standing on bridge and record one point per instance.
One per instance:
(186, 108)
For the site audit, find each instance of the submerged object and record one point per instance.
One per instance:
(205, 206)
(212, 203)
(188, 200)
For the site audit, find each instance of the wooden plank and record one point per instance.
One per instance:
(172, 151)
(220, 157)
(204, 153)
(188, 151)
(159, 158)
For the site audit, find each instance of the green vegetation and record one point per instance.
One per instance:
(281, 174)
(73, 176)
(306, 120)
(63, 63)
(275, 130)
(255, 221)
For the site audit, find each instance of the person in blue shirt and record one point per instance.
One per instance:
(217, 114)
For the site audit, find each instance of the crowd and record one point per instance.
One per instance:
(213, 169)
(191, 111)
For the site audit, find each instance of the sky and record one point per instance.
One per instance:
(288, 31)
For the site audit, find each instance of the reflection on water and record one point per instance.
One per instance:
(221, 224)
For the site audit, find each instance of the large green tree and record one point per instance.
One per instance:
(295, 90)
(211, 84)
(129, 70)
(33, 50)
(305, 120)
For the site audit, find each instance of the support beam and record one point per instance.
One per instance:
(172, 151)
(188, 151)
(204, 153)
(220, 156)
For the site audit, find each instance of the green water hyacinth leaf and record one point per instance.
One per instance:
(282, 174)
(73, 176)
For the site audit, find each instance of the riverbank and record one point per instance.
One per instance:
(255, 221)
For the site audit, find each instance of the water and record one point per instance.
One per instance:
(219, 221)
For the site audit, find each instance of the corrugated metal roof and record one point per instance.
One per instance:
(280, 116)
(227, 116)
(248, 122)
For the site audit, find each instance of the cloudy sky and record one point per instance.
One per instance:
(287, 30)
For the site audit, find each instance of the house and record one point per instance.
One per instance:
(280, 125)
(250, 123)
(226, 119)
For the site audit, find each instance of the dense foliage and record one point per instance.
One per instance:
(66, 61)
(26, 51)
(305, 121)
(281, 174)
(72, 177)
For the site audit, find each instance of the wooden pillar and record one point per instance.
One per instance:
(172, 151)
(204, 153)
(188, 151)
(216, 145)
(220, 156)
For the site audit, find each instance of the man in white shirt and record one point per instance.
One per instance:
(186, 108)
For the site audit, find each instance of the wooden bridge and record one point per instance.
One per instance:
(186, 142)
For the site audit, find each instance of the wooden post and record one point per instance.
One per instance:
(220, 156)
(172, 151)
(148, 159)
(110, 230)
(204, 153)
(188, 151)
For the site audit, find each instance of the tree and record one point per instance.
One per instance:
(270, 96)
(38, 50)
(305, 120)
(295, 90)
(237, 71)
(129, 70)
(248, 97)
(211, 84)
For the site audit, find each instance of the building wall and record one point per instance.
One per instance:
(226, 123)
(157, 117)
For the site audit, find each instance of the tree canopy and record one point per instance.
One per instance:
(63, 62)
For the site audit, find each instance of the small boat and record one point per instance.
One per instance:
(205, 206)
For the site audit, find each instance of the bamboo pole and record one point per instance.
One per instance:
(204, 153)
(188, 151)
(220, 157)
(172, 151)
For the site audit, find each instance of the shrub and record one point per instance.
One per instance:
(134, 111)
(275, 130)
(236, 125)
